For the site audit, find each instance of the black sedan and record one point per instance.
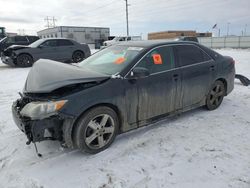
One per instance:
(120, 88)
(59, 49)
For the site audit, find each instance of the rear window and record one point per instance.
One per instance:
(190, 54)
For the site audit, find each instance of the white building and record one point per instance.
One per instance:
(93, 36)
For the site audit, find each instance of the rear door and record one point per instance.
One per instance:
(65, 49)
(197, 72)
(157, 94)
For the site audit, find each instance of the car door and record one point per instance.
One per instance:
(197, 72)
(48, 50)
(156, 94)
(65, 49)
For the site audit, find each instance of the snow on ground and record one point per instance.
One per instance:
(198, 149)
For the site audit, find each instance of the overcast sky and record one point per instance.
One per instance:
(144, 16)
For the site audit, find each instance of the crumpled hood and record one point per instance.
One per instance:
(46, 76)
(17, 47)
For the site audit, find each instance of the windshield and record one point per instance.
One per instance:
(36, 43)
(2, 40)
(111, 60)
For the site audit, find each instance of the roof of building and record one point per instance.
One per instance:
(47, 29)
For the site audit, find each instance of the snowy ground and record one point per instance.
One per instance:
(199, 149)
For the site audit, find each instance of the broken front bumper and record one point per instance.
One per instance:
(38, 130)
(8, 60)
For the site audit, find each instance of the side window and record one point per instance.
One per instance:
(158, 60)
(190, 54)
(9, 40)
(50, 43)
(21, 39)
(64, 43)
(32, 38)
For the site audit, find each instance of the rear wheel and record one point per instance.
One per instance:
(96, 130)
(77, 56)
(24, 60)
(215, 95)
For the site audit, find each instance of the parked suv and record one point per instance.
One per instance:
(16, 40)
(119, 88)
(58, 49)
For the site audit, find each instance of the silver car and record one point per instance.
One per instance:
(59, 49)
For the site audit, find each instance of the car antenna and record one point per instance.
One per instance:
(38, 154)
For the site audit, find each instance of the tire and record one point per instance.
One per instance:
(78, 56)
(96, 130)
(215, 95)
(24, 60)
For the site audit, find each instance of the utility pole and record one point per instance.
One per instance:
(54, 21)
(127, 16)
(51, 22)
(228, 23)
(245, 30)
(47, 20)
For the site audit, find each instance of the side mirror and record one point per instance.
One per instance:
(41, 46)
(139, 72)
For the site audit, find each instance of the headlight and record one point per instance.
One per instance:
(41, 110)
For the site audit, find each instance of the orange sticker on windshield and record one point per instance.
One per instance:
(157, 59)
(119, 60)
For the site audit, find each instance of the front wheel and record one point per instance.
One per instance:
(96, 130)
(24, 60)
(215, 95)
(77, 56)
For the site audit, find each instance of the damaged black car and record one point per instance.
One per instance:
(119, 88)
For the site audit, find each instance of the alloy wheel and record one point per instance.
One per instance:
(99, 131)
(216, 95)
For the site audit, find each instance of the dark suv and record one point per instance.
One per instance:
(18, 40)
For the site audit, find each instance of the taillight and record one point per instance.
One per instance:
(233, 62)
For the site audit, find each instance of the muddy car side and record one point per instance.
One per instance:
(95, 110)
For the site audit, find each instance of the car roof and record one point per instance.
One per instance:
(153, 43)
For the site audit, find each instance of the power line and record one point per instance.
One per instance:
(51, 22)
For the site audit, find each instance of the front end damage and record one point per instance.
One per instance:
(38, 129)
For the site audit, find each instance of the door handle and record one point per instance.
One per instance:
(212, 68)
(175, 77)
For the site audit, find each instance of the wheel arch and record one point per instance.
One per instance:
(110, 105)
(79, 50)
(224, 81)
(25, 53)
